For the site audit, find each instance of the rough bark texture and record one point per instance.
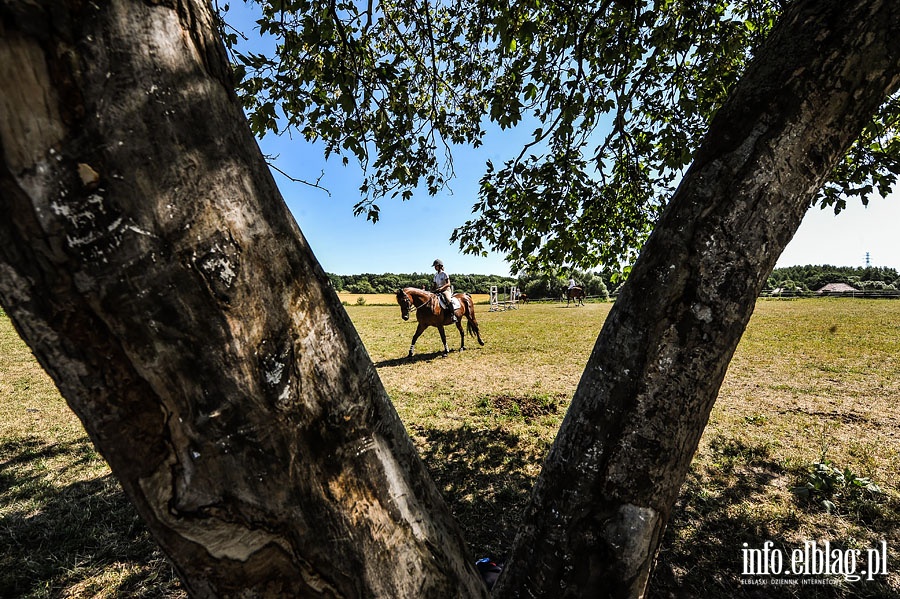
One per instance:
(150, 263)
(600, 507)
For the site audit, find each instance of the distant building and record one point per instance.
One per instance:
(837, 288)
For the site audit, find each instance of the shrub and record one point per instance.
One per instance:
(825, 483)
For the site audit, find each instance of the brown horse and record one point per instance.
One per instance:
(575, 293)
(429, 314)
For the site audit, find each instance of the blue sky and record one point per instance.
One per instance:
(410, 235)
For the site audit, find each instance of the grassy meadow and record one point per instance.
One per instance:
(813, 382)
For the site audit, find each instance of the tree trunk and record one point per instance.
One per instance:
(150, 263)
(598, 512)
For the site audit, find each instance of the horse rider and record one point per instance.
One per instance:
(571, 282)
(442, 287)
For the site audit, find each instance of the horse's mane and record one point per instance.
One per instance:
(411, 290)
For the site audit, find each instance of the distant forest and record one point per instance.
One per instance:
(535, 286)
(551, 284)
(813, 278)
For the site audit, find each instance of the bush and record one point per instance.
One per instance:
(825, 483)
(363, 286)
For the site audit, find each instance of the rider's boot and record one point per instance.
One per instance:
(449, 312)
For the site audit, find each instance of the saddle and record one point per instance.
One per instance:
(454, 303)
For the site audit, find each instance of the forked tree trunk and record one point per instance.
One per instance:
(150, 263)
(603, 499)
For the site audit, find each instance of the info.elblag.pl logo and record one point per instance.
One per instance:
(813, 563)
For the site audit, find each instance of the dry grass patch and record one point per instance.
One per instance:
(813, 381)
(66, 527)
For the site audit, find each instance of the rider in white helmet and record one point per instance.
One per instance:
(442, 286)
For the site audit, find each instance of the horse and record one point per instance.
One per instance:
(522, 298)
(429, 314)
(576, 293)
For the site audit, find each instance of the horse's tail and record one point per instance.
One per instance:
(472, 329)
(471, 323)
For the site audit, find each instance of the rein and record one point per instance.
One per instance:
(412, 301)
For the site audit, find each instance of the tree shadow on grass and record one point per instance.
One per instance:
(79, 539)
(483, 477)
(701, 553)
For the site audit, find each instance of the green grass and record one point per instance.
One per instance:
(66, 529)
(813, 381)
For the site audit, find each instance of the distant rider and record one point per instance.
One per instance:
(442, 286)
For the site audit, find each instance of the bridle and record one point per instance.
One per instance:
(409, 304)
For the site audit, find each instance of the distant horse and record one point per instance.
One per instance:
(429, 314)
(522, 298)
(575, 293)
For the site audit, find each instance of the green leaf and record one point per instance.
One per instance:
(617, 99)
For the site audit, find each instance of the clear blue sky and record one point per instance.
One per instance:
(410, 235)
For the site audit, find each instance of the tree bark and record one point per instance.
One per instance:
(601, 504)
(150, 263)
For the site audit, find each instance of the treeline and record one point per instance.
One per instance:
(390, 283)
(538, 285)
(551, 284)
(814, 277)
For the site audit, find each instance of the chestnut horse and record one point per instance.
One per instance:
(429, 314)
(576, 293)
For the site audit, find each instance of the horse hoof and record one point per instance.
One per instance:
(445, 354)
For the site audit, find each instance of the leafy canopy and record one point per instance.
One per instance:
(618, 94)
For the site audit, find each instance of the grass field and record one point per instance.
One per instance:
(812, 382)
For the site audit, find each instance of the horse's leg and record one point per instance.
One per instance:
(412, 346)
(444, 340)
